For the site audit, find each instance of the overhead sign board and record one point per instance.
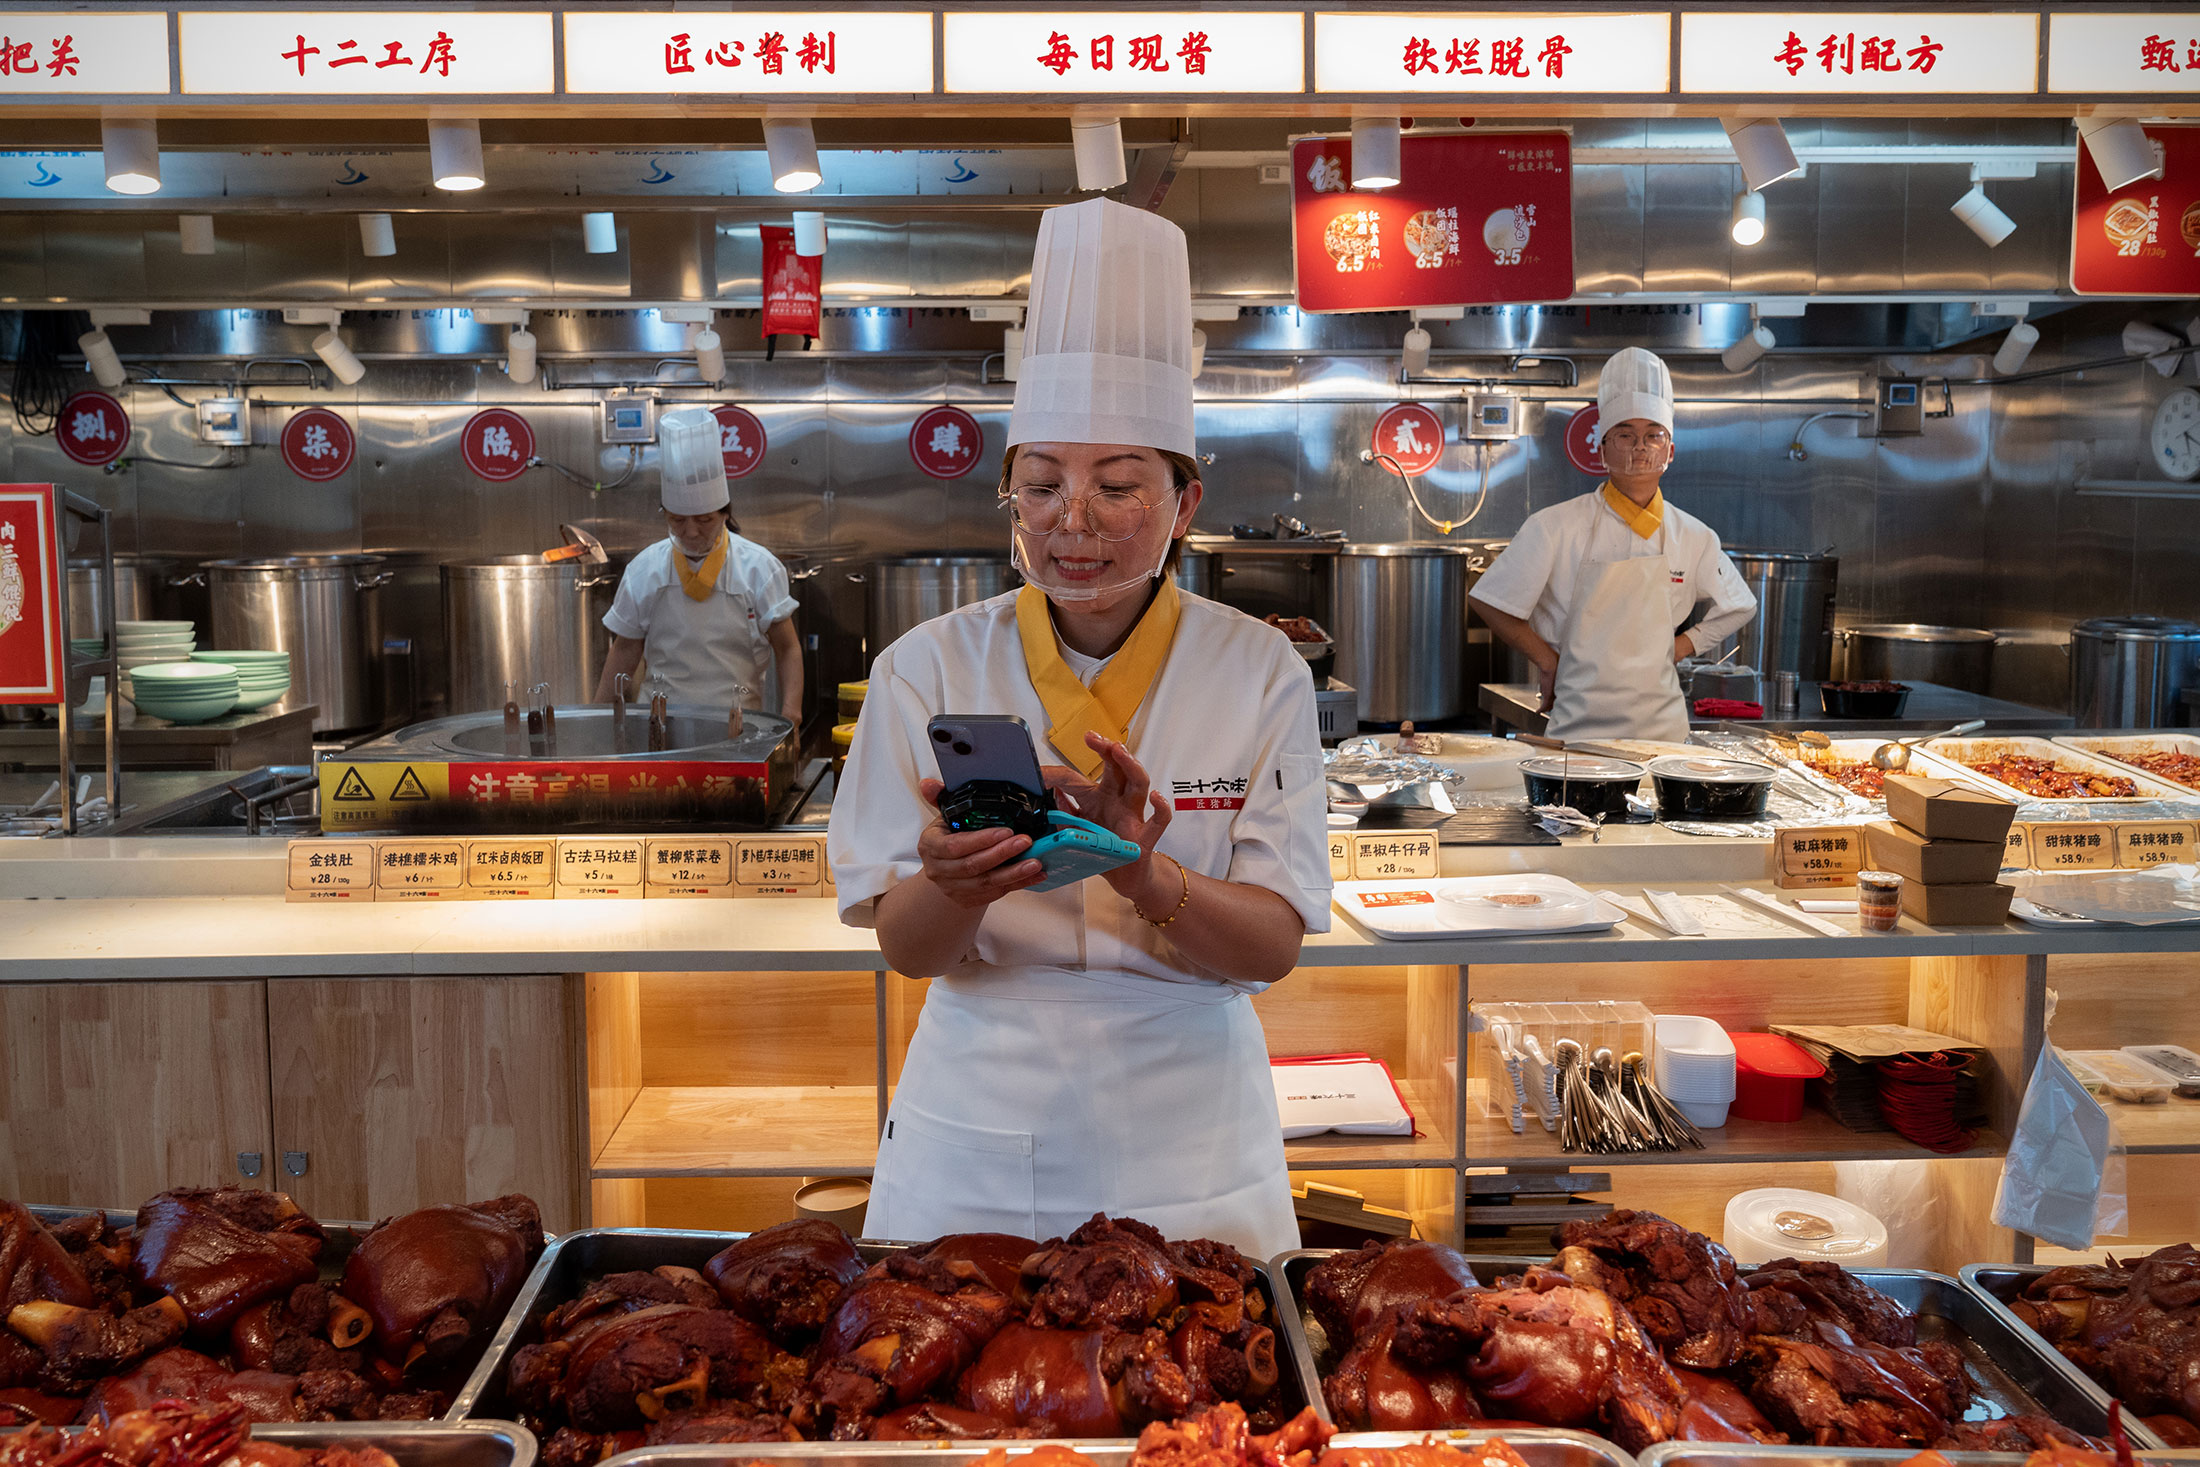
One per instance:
(374, 53)
(1493, 53)
(1123, 52)
(1800, 53)
(749, 52)
(47, 53)
(2141, 52)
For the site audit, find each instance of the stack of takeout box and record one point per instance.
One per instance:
(1946, 842)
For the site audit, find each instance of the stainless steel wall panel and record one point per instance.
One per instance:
(1861, 216)
(1608, 228)
(509, 264)
(882, 502)
(787, 501)
(969, 255)
(1685, 243)
(1247, 379)
(1240, 229)
(1361, 377)
(170, 274)
(861, 379)
(292, 257)
(1929, 550)
(2037, 256)
(865, 258)
(97, 257)
(1785, 262)
(1939, 252)
(574, 272)
(421, 268)
(282, 514)
(1259, 468)
(22, 258)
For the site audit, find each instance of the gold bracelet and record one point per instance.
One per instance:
(1182, 875)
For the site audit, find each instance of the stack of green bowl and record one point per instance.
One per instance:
(184, 692)
(262, 677)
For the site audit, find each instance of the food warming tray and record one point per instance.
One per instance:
(1993, 1284)
(1749, 1454)
(569, 1263)
(2158, 743)
(2012, 1370)
(1541, 1446)
(415, 1443)
(1945, 756)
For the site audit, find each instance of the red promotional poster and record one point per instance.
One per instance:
(946, 442)
(317, 444)
(1582, 443)
(1476, 219)
(740, 439)
(92, 428)
(1411, 435)
(497, 444)
(793, 285)
(2144, 238)
(31, 665)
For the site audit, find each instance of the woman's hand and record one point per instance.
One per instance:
(973, 868)
(1122, 801)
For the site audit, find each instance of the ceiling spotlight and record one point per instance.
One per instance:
(454, 155)
(1746, 351)
(130, 148)
(791, 145)
(809, 234)
(519, 350)
(1375, 150)
(1413, 360)
(376, 236)
(1012, 353)
(1981, 216)
(196, 231)
(710, 356)
(1748, 224)
(2120, 149)
(100, 358)
(2015, 347)
(1761, 146)
(2159, 347)
(1199, 351)
(600, 234)
(1097, 140)
(337, 354)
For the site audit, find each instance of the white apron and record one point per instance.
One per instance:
(705, 652)
(1615, 660)
(1129, 1096)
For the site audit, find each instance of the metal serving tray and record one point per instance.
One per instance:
(570, 1262)
(2012, 1370)
(2109, 746)
(1945, 757)
(1745, 1454)
(1542, 1446)
(1993, 1284)
(412, 1443)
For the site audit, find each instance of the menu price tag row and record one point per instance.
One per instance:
(518, 868)
(2095, 846)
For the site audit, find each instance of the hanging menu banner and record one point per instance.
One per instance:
(2107, 51)
(382, 53)
(750, 52)
(2144, 238)
(1123, 52)
(1798, 52)
(1478, 218)
(45, 53)
(31, 666)
(1493, 53)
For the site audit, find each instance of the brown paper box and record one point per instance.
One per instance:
(1941, 809)
(1981, 904)
(1911, 856)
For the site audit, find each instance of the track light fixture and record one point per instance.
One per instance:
(519, 347)
(710, 356)
(2015, 347)
(376, 236)
(1981, 215)
(196, 233)
(1413, 360)
(2120, 149)
(791, 145)
(1097, 141)
(100, 358)
(1012, 353)
(600, 233)
(1761, 146)
(809, 234)
(454, 155)
(1743, 353)
(1748, 221)
(130, 150)
(1375, 152)
(337, 354)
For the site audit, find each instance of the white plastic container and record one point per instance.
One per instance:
(2119, 1076)
(1693, 1063)
(2173, 1060)
(1787, 1222)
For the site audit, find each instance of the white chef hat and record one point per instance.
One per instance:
(690, 465)
(1634, 384)
(1108, 333)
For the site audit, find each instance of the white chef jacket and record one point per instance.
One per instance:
(1536, 576)
(703, 652)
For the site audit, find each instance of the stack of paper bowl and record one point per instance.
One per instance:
(1694, 1066)
(140, 642)
(262, 677)
(184, 692)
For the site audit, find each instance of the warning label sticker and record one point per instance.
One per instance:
(357, 796)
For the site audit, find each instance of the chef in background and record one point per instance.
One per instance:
(711, 611)
(1595, 591)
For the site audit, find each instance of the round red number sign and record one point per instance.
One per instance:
(1411, 434)
(317, 444)
(946, 443)
(740, 439)
(498, 444)
(92, 428)
(1581, 442)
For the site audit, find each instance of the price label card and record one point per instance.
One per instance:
(689, 867)
(599, 866)
(2017, 852)
(419, 870)
(1798, 880)
(330, 871)
(1340, 855)
(2155, 843)
(1395, 855)
(2073, 847)
(779, 866)
(1820, 850)
(515, 870)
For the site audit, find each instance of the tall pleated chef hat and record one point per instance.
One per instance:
(1108, 332)
(690, 466)
(1634, 384)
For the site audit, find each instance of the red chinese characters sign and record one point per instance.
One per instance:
(946, 442)
(46, 52)
(2143, 239)
(2127, 53)
(497, 444)
(1410, 434)
(31, 665)
(453, 52)
(1583, 450)
(740, 439)
(1481, 53)
(793, 285)
(92, 428)
(1922, 51)
(754, 52)
(1476, 219)
(317, 444)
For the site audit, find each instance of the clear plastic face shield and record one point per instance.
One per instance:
(1073, 546)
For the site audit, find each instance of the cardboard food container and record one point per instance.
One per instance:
(1899, 849)
(1970, 904)
(1941, 809)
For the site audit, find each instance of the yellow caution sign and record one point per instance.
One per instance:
(357, 796)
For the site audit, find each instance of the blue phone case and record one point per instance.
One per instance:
(1078, 849)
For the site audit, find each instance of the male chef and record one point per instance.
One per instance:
(1594, 591)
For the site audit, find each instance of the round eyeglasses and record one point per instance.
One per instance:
(1111, 514)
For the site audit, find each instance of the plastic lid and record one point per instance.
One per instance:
(1774, 1055)
(858, 691)
(1711, 771)
(1580, 766)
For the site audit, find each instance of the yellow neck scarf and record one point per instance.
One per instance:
(1643, 521)
(701, 581)
(1108, 705)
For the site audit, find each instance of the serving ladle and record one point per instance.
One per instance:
(1895, 757)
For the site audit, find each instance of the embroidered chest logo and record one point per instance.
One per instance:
(1208, 794)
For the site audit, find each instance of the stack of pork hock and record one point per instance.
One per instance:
(1946, 843)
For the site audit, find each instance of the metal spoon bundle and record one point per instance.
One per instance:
(1674, 1129)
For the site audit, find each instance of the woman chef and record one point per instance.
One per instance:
(1094, 1047)
(708, 608)
(1594, 591)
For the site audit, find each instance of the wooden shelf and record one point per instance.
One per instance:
(1816, 1137)
(1433, 1147)
(2169, 1129)
(744, 1131)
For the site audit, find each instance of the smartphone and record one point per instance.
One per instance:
(991, 771)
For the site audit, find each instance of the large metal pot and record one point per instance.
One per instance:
(2132, 671)
(141, 591)
(1401, 617)
(316, 608)
(907, 590)
(1908, 651)
(1198, 571)
(513, 619)
(1793, 628)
